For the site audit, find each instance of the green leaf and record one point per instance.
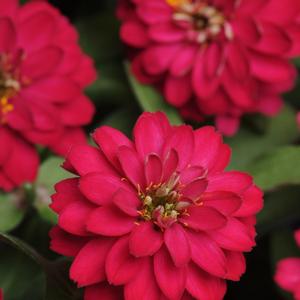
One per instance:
(276, 168)
(58, 285)
(247, 145)
(12, 210)
(151, 100)
(50, 173)
(20, 277)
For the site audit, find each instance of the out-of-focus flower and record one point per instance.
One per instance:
(1, 294)
(158, 215)
(42, 76)
(298, 119)
(220, 58)
(288, 273)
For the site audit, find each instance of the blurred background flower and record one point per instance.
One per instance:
(214, 58)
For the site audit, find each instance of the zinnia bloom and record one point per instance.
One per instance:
(288, 273)
(158, 217)
(42, 76)
(220, 58)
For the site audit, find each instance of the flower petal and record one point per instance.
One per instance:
(153, 169)
(177, 244)
(150, 132)
(109, 140)
(204, 286)
(110, 221)
(170, 279)
(207, 254)
(203, 218)
(100, 188)
(224, 202)
(88, 266)
(120, 266)
(132, 166)
(145, 240)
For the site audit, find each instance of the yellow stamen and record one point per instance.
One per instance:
(177, 3)
(5, 108)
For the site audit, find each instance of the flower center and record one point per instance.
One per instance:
(202, 21)
(161, 202)
(10, 84)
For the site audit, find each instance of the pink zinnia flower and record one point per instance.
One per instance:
(42, 76)
(221, 58)
(158, 216)
(288, 273)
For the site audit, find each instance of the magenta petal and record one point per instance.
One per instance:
(252, 202)
(271, 69)
(127, 201)
(170, 164)
(191, 173)
(207, 143)
(145, 240)
(153, 169)
(181, 140)
(170, 279)
(100, 188)
(234, 236)
(177, 244)
(120, 266)
(204, 286)
(67, 193)
(144, 286)
(134, 33)
(109, 140)
(42, 62)
(166, 33)
(194, 189)
(132, 166)
(88, 266)
(64, 243)
(7, 34)
(203, 218)
(232, 181)
(207, 254)
(178, 90)
(110, 221)
(225, 202)
(150, 133)
(87, 159)
(236, 265)
(73, 218)
(288, 274)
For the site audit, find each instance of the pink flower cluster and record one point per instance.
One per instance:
(220, 58)
(42, 76)
(288, 273)
(157, 217)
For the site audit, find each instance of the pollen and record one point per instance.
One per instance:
(5, 108)
(177, 3)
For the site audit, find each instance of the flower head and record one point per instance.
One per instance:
(214, 58)
(42, 76)
(157, 214)
(288, 273)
